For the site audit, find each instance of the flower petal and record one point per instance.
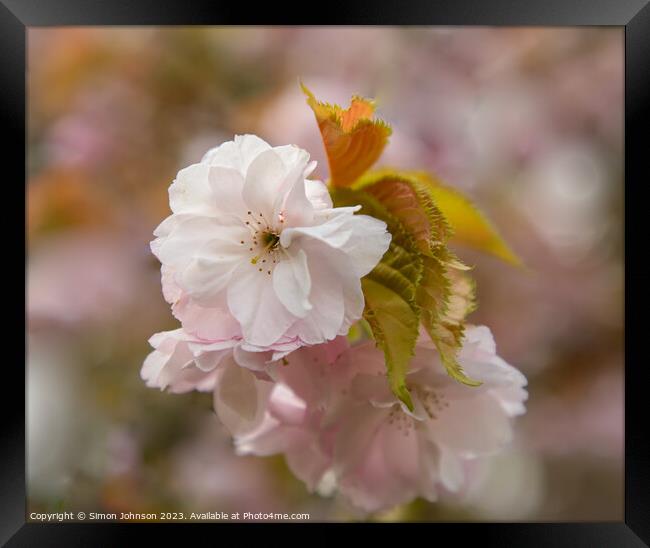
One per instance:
(240, 398)
(190, 192)
(227, 184)
(486, 432)
(208, 323)
(236, 154)
(286, 406)
(327, 298)
(292, 282)
(193, 233)
(254, 303)
(400, 447)
(308, 463)
(297, 209)
(203, 252)
(368, 242)
(250, 359)
(317, 194)
(171, 365)
(263, 182)
(451, 470)
(330, 232)
(356, 434)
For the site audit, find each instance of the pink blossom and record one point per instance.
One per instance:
(386, 455)
(287, 412)
(332, 414)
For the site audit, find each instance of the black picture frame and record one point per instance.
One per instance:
(633, 15)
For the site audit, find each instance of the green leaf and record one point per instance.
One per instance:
(409, 200)
(419, 280)
(395, 329)
(470, 226)
(390, 291)
(446, 296)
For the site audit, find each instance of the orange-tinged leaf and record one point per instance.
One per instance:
(470, 226)
(353, 139)
(408, 199)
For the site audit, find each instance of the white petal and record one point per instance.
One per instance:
(292, 155)
(162, 370)
(191, 193)
(203, 252)
(224, 155)
(205, 277)
(290, 197)
(264, 178)
(481, 336)
(332, 233)
(171, 366)
(165, 341)
(167, 225)
(292, 282)
(297, 209)
(171, 290)
(250, 147)
(151, 368)
(236, 154)
(327, 298)
(193, 233)
(227, 185)
(479, 359)
(252, 300)
(317, 194)
(512, 399)
(368, 242)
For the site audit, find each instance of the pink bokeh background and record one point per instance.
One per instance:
(527, 121)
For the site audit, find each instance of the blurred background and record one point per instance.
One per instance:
(527, 121)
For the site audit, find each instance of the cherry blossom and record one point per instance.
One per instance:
(255, 249)
(387, 455)
(330, 411)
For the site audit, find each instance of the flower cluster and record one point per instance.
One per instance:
(267, 277)
(328, 409)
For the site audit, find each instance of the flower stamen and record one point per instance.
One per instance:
(271, 242)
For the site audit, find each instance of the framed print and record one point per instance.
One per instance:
(378, 270)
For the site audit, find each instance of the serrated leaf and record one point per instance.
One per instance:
(445, 293)
(462, 298)
(390, 291)
(408, 199)
(395, 328)
(446, 296)
(353, 139)
(470, 226)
